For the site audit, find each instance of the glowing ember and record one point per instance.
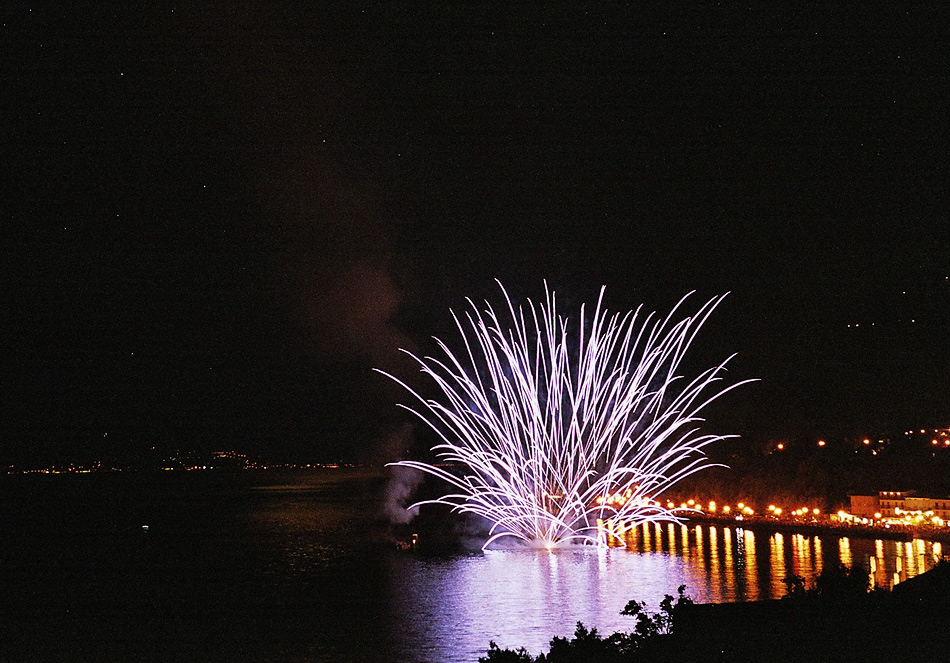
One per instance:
(553, 428)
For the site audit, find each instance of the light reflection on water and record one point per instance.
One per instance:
(454, 606)
(743, 565)
(295, 556)
(387, 605)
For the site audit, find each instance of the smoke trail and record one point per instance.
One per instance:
(402, 483)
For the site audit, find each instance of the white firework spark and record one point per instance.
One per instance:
(550, 431)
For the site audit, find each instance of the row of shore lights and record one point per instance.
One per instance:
(711, 507)
(743, 509)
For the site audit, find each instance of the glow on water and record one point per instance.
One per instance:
(454, 605)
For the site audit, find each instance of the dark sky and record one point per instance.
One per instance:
(218, 217)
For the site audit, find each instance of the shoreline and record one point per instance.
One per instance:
(818, 528)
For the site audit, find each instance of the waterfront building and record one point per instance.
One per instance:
(865, 506)
(897, 503)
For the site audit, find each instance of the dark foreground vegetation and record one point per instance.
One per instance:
(836, 619)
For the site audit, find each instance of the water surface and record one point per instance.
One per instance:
(291, 567)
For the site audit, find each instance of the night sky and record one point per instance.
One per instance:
(218, 217)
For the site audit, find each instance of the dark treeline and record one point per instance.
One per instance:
(837, 618)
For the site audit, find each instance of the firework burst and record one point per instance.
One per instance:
(557, 432)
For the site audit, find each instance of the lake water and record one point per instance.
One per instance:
(289, 566)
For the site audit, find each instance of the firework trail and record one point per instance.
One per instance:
(555, 433)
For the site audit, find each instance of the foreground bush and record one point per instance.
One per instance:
(588, 645)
